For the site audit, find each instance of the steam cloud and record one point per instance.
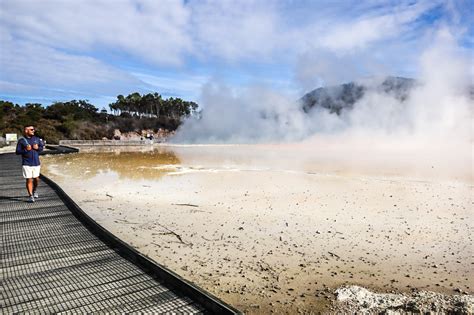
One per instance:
(436, 119)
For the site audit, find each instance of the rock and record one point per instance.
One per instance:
(367, 299)
(355, 299)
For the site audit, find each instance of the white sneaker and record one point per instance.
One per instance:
(31, 199)
(35, 195)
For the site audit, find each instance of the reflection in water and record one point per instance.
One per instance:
(151, 164)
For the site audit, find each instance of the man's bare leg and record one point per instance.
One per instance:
(35, 183)
(29, 186)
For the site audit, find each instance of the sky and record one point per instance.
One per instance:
(56, 50)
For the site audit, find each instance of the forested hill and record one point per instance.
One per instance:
(79, 119)
(340, 97)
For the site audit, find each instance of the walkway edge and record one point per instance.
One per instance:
(163, 274)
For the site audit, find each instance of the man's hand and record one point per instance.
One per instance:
(28, 147)
(35, 146)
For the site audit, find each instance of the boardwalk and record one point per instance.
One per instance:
(55, 259)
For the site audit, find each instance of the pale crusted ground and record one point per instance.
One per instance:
(274, 235)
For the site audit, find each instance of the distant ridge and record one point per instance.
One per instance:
(344, 96)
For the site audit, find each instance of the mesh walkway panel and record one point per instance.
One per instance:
(52, 262)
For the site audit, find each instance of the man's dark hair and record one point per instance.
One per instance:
(28, 125)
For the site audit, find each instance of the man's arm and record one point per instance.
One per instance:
(20, 148)
(40, 145)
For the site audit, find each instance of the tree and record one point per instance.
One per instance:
(153, 105)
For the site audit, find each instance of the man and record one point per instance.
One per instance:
(28, 147)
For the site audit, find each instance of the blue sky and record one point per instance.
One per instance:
(56, 50)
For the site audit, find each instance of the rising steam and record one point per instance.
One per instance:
(435, 119)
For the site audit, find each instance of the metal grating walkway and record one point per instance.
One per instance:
(56, 259)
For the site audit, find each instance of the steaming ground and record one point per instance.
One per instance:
(433, 114)
(279, 227)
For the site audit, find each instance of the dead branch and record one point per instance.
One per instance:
(170, 232)
(334, 255)
(185, 204)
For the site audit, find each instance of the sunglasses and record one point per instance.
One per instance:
(32, 129)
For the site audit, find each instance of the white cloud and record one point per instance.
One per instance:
(275, 30)
(166, 32)
(364, 30)
(234, 30)
(76, 45)
(154, 30)
(177, 85)
(33, 68)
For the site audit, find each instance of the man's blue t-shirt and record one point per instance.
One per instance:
(30, 158)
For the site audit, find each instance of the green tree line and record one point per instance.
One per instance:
(79, 119)
(152, 105)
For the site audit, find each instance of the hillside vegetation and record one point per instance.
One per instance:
(343, 97)
(81, 120)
